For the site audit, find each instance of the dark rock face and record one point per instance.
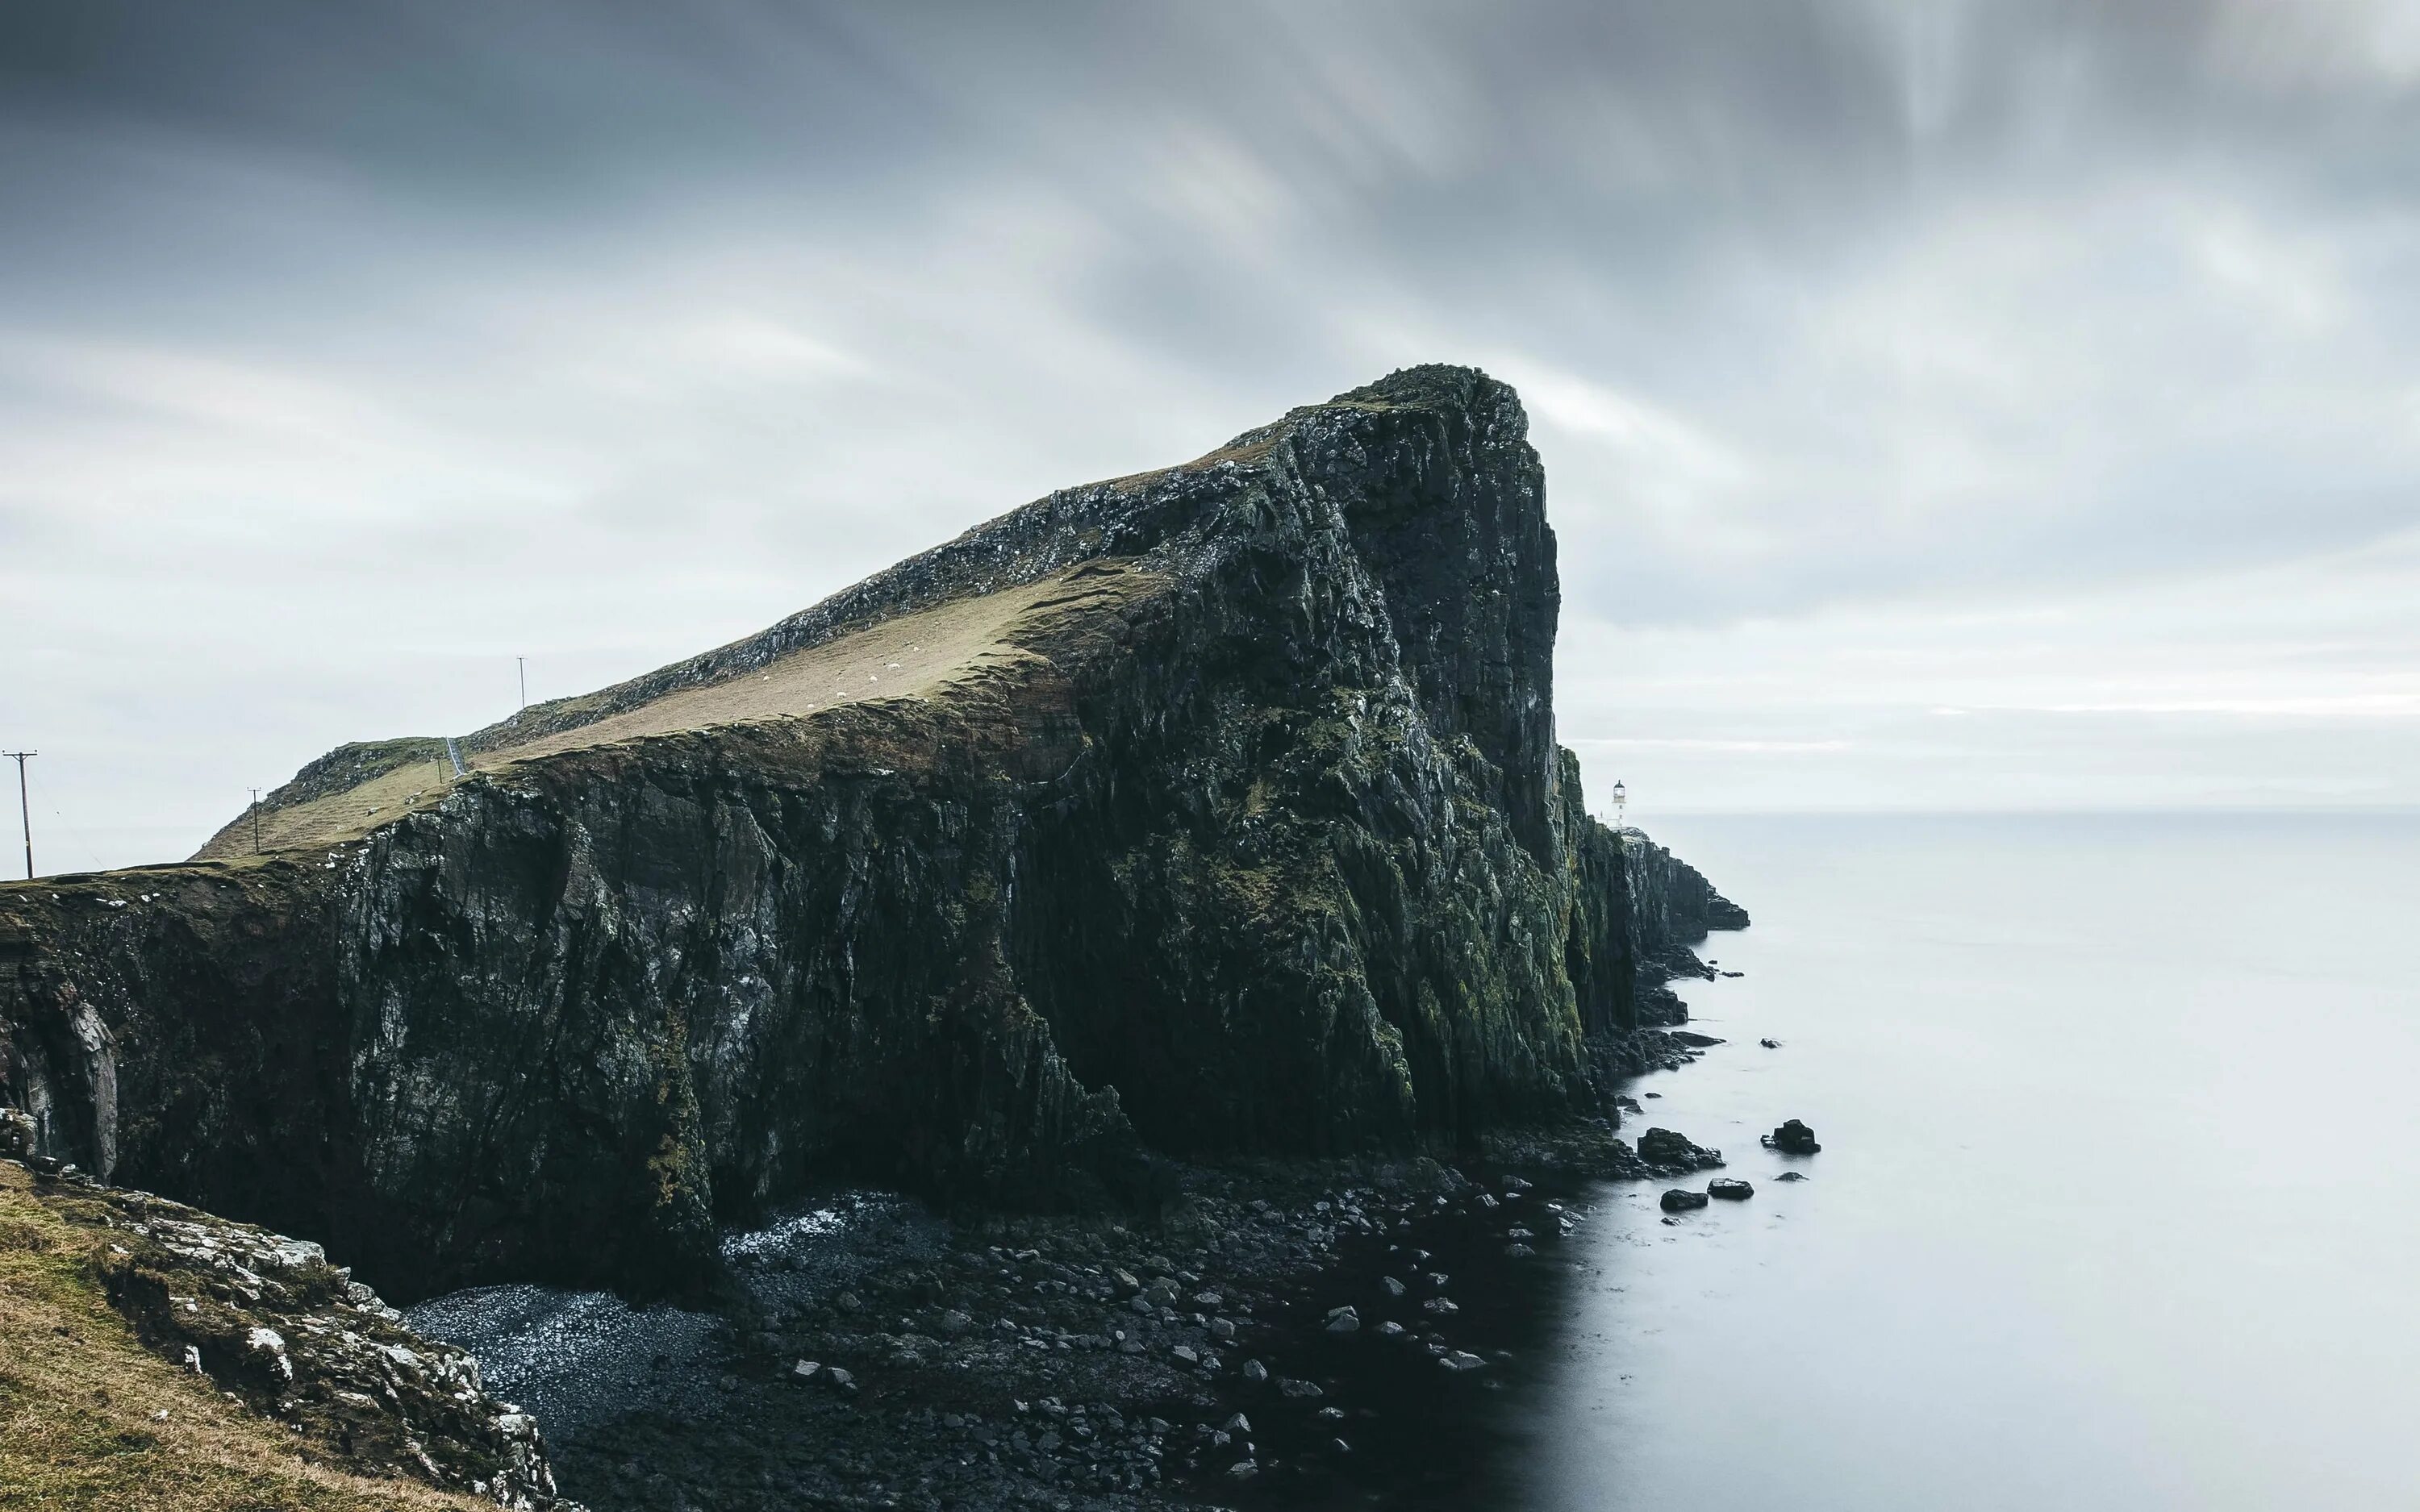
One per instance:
(1250, 836)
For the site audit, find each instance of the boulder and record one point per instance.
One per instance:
(17, 1134)
(1792, 1138)
(1667, 1151)
(1681, 1199)
(1729, 1189)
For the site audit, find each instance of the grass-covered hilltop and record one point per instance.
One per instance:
(1204, 812)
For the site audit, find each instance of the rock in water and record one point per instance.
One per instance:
(1205, 810)
(1681, 1199)
(1792, 1138)
(1729, 1189)
(1663, 1148)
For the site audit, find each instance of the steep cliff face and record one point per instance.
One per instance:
(1210, 811)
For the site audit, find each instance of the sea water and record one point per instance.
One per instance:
(2118, 1205)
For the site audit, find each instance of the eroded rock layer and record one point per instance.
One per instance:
(1205, 811)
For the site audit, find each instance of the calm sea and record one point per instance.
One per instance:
(2120, 1199)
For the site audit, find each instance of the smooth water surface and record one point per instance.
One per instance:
(2117, 1204)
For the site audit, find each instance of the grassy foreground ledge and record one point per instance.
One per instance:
(91, 1418)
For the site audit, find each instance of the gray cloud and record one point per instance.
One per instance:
(346, 352)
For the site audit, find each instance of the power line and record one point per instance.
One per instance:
(83, 841)
(25, 805)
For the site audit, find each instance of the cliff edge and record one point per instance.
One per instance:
(1206, 812)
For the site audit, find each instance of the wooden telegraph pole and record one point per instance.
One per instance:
(25, 810)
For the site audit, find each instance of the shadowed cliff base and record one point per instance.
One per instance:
(1205, 813)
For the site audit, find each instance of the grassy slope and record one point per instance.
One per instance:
(913, 656)
(81, 1401)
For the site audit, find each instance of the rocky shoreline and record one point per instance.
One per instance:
(1295, 1332)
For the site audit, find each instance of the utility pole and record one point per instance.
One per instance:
(25, 810)
(255, 821)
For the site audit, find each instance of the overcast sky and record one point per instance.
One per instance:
(1944, 405)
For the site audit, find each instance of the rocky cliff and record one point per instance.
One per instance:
(1205, 811)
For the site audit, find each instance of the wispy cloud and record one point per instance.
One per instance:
(2056, 364)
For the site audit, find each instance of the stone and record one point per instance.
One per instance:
(1671, 1151)
(1770, 1044)
(1391, 1328)
(17, 1134)
(1461, 1360)
(953, 1323)
(1299, 1389)
(1792, 1138)
(1255, 1372)
(1343, 1320)
(1681, 1199)
(1392, 1286)
(1729, 1189)
(1792, 1176)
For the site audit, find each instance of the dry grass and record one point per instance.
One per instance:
(915, 656)
(89, 1418)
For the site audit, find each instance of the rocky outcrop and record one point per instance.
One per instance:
(1214, 811)
(268, 1321)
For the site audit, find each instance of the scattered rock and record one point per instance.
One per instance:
(1681, 1199)
(1461, 1360)
(1792, 1176)
(1671, 1151)
(1792, 1138)
(1343, 1320)
(1770, 1044)
(1729, 1188)
(1696, 1041)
